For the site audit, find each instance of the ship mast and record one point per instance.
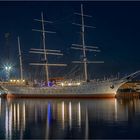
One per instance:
(20, 60)
(83, 47)
(45, 51)
(83, 44)
(45, 54)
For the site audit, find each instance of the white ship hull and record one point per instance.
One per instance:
(104, 88)
(88, 88)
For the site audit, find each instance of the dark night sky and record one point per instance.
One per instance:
(117, 34)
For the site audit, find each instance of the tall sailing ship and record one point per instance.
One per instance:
(90, 88)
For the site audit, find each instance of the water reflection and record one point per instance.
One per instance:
(43, 119)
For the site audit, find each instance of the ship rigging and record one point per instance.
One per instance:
(83, 47)
(45, 51)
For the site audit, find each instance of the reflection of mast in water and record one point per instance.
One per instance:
(8, 122)
(70, 116)
(63, 115)
(24, 116)
(15, 114)
(19, 114)
(86, 124)
(23, 122)
(116, 110)
(0, 106)
(18, 117)
(79, 115)
(15, 117)
(48, 121)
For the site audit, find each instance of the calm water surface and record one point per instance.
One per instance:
(61, 119)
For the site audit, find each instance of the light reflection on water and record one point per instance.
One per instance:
(42, 118)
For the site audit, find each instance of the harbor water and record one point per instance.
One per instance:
(72, 118)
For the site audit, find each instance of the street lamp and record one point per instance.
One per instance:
(7, 70)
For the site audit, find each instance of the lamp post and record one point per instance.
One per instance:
(7, 70)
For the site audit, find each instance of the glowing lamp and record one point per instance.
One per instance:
(8, 68)
(69, 84)
(62, 84)
(78, 83)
